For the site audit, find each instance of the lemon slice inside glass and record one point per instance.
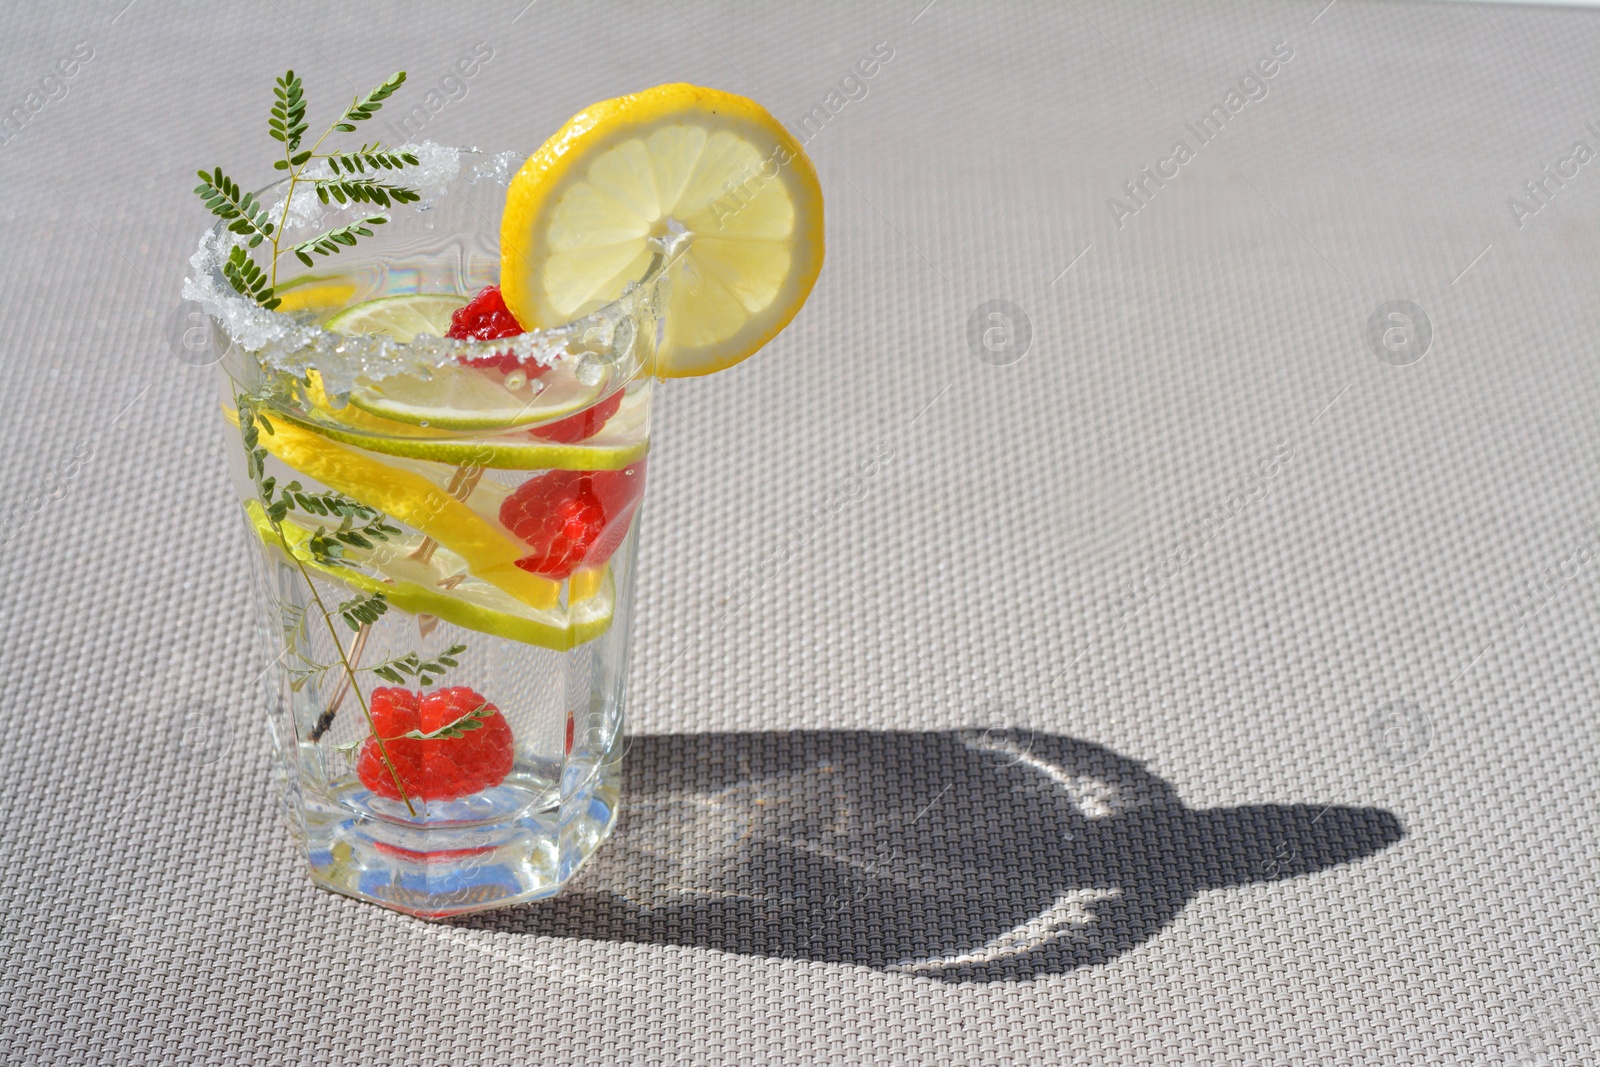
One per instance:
(410, 498)
(713, 169)
(440, 586)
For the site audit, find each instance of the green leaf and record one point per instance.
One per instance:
(288, 121)
(472, 720)
(331, 242)
(364, 190)
(248, 278)
(363, 610)
(363, 108)
(369, 157)
(243, 213)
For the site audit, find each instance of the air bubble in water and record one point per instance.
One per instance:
(589, 370)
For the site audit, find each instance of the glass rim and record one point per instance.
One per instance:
(288, 335)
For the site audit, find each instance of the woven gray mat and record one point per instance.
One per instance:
(1206, 683)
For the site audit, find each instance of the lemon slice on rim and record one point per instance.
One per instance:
(674, 160)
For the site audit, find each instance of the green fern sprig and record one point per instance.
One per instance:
(365, 107)
(288, 121)
(472, 720)
(373, 156)
(363, 610)
(425, 671)
(243, 213)
(329, 243)
(251, 423)
(364, 191)
(324, 504)
(243, 274)
(350, 184)
(327, 546)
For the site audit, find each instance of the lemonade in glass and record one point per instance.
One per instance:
(440, 366)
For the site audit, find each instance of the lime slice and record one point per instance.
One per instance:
(401, 317)
(623, 440)
(415, 586)
(456, 397)
(409, 498)
(712, 167)
(474, 398)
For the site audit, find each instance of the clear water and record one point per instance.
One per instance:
(512, 840)
(517, 840)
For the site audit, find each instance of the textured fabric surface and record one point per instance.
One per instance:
(1222, 673)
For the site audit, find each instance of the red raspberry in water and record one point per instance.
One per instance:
(583, 425)
(572, 517)
(486, 318)
(441, 768)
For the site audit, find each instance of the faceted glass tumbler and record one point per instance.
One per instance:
(444, 604)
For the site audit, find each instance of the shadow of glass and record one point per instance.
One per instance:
(962, 855)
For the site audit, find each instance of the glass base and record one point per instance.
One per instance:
(447, 862)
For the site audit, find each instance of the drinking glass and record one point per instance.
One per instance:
(444, 593)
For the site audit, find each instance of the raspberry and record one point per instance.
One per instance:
(442, 768)
(572, 517)
(486, 318)
(584, 424)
